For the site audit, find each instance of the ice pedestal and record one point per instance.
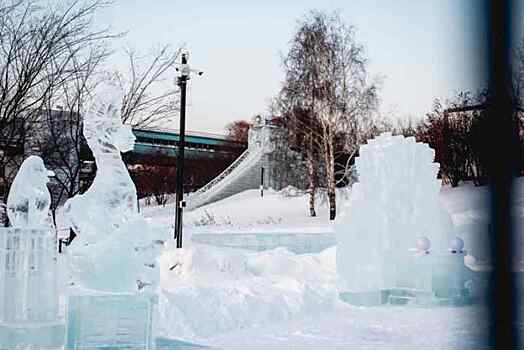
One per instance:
(450, 276)
(28, 292)
(410, 271)
(421, 279)
(109, 321)
(296, 242)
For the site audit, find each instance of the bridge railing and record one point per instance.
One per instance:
(223, 174)
(196, 198)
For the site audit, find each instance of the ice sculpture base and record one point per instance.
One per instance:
(296, 242)
(32, 336)
(28, 276)
(109, 321)
(424, 280)
(402, 296)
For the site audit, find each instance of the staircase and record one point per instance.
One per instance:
(241, 175)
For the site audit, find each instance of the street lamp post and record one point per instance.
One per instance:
(185, 72)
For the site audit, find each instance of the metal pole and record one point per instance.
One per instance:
(182, 83)
(262, 182)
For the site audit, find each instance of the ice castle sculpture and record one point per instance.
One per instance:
(114, 248)
(29, 313)
(393, 232)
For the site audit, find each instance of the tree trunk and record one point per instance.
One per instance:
(329, 159)
(312, 172)
(3, 205)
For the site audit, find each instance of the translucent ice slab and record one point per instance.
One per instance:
(298, 243)
(110, 321)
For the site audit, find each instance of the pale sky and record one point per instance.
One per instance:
(422, 49)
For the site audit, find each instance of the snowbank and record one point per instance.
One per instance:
(207, 290)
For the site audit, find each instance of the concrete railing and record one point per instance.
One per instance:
(223, 185)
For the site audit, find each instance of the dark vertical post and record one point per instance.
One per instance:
(262, 182)
(182, 83)
(501, 160)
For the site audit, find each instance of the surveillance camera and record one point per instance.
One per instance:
(200, 72)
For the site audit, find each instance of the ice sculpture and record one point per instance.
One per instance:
(113, 251)
(29, 313)
(393, 211)
(111, 200)
(29, 199)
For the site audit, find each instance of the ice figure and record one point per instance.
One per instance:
(392, 210)
(111, 199)
(29, 313)
(29, 199)
(114, 248)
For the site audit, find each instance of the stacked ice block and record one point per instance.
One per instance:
(109, 321)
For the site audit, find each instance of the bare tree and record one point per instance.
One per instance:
(326, 76)
(238, 131)
(296, 111)
(59, 138)
(37, 47)
(150, 95)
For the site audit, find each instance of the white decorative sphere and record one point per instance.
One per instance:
(456, 244)
(423, 244)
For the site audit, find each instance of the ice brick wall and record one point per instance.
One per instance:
(117, 321)
(28, 290)
(299, 243)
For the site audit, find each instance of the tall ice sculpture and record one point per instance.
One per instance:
(114, 274)
(29, 313)
(394, 235)
(112, 242)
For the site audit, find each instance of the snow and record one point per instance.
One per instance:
(211, 290)
(367, 328)
(249, 212)
(236, 299)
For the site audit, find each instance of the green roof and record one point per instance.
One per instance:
(202, 138)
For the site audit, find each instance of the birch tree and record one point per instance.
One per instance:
(326, 76)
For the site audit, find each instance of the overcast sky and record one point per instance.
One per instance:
(422, 49)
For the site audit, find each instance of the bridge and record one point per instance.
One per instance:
(165, 142)
(155, 152)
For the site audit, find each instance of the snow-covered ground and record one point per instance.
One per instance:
(249, 212)
(234, 299)
(238, 299)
